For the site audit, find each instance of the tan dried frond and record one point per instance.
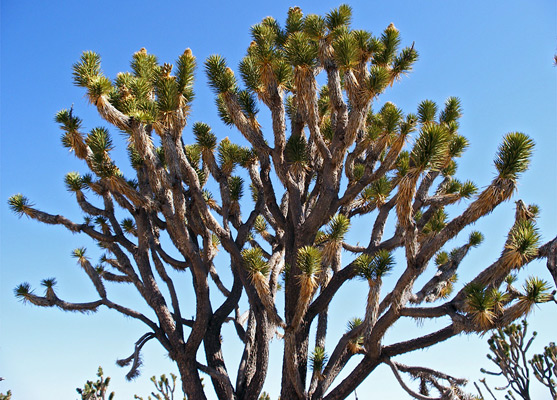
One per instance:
(118, 184)
(329, 252)
(499, 191)
(308, 285)
(406, 192)
(261, 284)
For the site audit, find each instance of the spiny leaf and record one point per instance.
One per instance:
(377, 80)
(79, 253)
(144, 65)
(260, 224)
(314, 26)
(204, 137)
(475, 239)
(513, 156)
(73, 182)
(23, 290)
(430, 149)
(228, 154)
(185, 66)
(427, 110)
(250, 73)
(309, 260)
(372, 267)
(20, 205)
(390, 40)
(128, 225)
(49, 282)
(301, 50)
(248, 103)
(254, 262)
(452, 111)
(467, 190)
(87, 69)
(523, 239)
(345, 51)
(318, 359)
(338, 17)
(224, 115)
(99, 140)
(457, 145)
(390, 117)
(235, 184)
(402, 64)
(294, 19)
(221, 78)
(67, 120)
(441, 258)
(480, 304)
(337, 227)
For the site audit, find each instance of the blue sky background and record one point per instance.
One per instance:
(496, 56)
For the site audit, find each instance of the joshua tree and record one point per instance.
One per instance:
(96, 390)
(326, 158)
(509, 346)
(165, 388)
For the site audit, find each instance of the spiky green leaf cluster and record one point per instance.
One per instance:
(337, 228)
(427, 111)
(74, 182)
(23, 290)
(318, 359)
(441, 258)
(513, 155)
(128, 225)
(301, 50)
(79, 253)
(536, 291)
(436, 222)
(431, 147)
(260, 224)
(228, 155)
(475, 239)
(296, 151)
(377, 192)
(221, 78)
(372, 267)
(524, 239)
(20, 204)
(49, 283)
(68, 122)
(235, 185)
(254, 261)
(87, 73)
(452, 111)
(480, 303)
(309, 260)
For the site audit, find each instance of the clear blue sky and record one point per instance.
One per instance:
(495, 55)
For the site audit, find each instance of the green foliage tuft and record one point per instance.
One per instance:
(20, 204)
(431, 147)
(23, 290)
(235, 184)
(309, 260)
(427, 110)
(372, 267)
(254, 262)
(205, 139)
(73, 182)
(513, 155)
(221, 78)
(475, 239)
(301, 51)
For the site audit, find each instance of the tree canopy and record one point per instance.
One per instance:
(326, 158)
